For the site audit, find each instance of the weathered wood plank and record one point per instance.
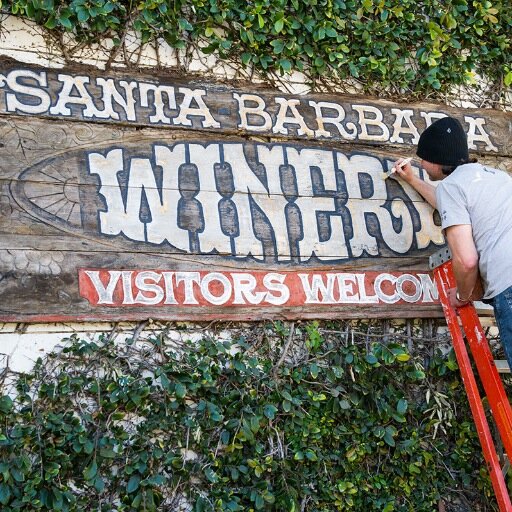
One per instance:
(172, 294)
(19, 245)
(169, 103)
(370, 183)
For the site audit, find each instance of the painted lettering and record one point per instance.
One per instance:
(40, 100)
(274, 203)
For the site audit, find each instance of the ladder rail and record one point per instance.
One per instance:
(484, 361)
(489, 376)
(493, 386)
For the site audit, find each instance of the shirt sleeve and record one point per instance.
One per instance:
(452, 205)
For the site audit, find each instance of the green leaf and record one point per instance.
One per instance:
(278, 25)
(6, 404)
(51, 23)
(389, 436)
(414, 469)
(211, 475)
(91, 470)
(278, 45)
(108, 453)
(88, 447)
(137, 501)
(180, 390)
(17, 475)
(82, 15)
(287, 396)
(133, 484)
(371, 359)
(402, 406)
(379, 432)
(185, 25)
(309, 50)
(65, 22)
(259, 502)
(5, 494)
(311, 455)
(344, 404)
(99, 484)
(270, 411)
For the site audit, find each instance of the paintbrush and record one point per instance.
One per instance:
(393, 169)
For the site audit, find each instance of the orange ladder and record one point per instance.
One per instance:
(470, 328)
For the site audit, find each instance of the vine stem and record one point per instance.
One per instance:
(285, 349)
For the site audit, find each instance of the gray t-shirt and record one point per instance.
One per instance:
(482, 197)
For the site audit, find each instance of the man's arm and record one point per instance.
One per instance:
(426, 190)
(465, 263)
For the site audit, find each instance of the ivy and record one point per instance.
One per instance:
(232, 426)
(404, 48)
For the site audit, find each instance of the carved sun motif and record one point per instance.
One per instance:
(56, 191)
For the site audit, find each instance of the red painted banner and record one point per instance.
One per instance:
(162, 288)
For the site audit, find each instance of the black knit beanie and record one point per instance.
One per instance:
(444, 142)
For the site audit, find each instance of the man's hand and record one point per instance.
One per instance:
(404, 171)
(452, 297)
(423, 188)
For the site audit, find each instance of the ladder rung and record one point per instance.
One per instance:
(502, 366)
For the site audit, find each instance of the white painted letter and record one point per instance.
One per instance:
(384, 297)
(114, 220)
(336, 121)
(399, 242)
(477, 123)
(141, 282)
(404, 278)
(244, 285)
(246, 111)
(188, 279)
(14, 104)
(317, 287)
(376, 122)
(430, 293)
(224, 282)
(110, 93)
(83, 98)
(296, 119)
(311, 205)
(105, 293)
(158, 103)
(275, 283)
(398, 128)
(200, 111)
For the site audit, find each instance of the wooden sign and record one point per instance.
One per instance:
(101, 219)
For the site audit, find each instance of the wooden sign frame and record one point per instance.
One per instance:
(117, 206)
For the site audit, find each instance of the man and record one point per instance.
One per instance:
(475, 204)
